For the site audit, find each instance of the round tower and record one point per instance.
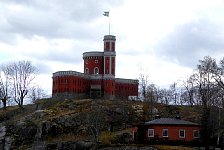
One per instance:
(93, 63)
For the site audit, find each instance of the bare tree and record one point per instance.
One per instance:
(21, 74)
(151, 96)
(164, 96)
(205, 86)
(174, 93)
(218, 75)
(37, 93)
(4, 85)
(189, 93)
(144, 81)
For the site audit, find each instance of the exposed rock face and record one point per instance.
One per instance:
(63, 124)
(128, 148)
(78, 145)
(70, 145)
(38, 143)
(2, 132)
(5, 141)
(2, 136)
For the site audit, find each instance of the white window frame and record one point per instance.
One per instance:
(152, 133)
(167, 133)
(87, 70)
(96, 61)
(180, 132)
(96, 72)
(194, 134)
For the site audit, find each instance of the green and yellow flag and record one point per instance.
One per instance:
(106, 13)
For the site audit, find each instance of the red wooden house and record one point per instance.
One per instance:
(167, 130)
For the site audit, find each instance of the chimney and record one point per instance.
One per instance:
(178, 115)
(157, 116)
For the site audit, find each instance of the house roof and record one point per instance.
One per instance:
(169, 121)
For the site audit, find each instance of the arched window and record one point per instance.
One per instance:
(87, 70)
(96, 70)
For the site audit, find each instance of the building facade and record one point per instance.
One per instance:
(98, 79)
(168, 130)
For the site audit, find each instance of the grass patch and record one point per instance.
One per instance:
(167, 147)
(66, 137)
(106, 137)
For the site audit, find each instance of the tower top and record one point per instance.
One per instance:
(109, 43)
(109, 37)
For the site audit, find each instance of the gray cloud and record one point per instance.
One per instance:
(43, 67)
(52, 19)
(192, 41)
(70, 56)
(42, 62)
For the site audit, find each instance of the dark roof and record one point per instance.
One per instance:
(169, 121)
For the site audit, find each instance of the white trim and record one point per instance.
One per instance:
(90, 54)
(164, 131)
(87, 71)
(95, 70)
(104, 65)
(133, 135)
(106, 53)
(194, 134)
(180, 132)
(110, 65)
(152, 132)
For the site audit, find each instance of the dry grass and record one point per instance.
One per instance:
(106, 137)
(167, 147)
(66, 137)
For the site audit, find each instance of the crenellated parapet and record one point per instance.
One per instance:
(130, 81)
(92, 55)
(68, 73)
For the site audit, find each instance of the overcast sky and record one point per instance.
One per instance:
(164, 37)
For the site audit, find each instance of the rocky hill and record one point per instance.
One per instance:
(76, 124)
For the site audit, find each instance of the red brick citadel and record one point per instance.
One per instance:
(98, 79)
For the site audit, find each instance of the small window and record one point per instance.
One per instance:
(112, 71)
(113, 60)
(87, 70)
(107, 45)
(96, 70)
(165, 132)
(96, 61)
(181, 133)
(151, 132)
(196, 134)
(113, 46)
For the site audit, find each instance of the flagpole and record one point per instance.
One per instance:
(109, 25)
(106, 13)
